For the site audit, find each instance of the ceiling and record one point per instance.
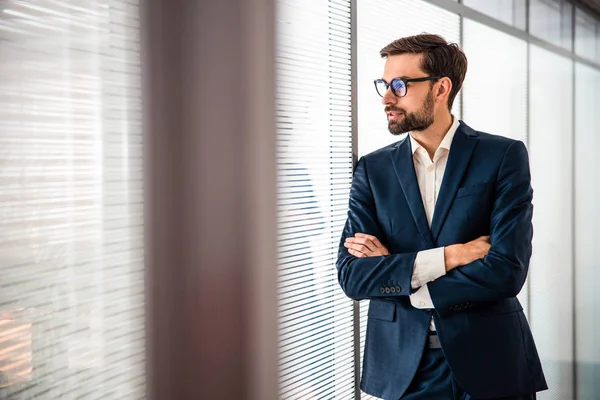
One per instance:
(592, 6)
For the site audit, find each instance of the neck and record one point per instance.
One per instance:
(431, 137)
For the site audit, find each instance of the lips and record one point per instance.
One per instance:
(394, 115)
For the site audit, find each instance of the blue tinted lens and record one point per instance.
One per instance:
(398, 87)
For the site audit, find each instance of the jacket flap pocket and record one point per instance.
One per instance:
(471, 190)
(384, 310)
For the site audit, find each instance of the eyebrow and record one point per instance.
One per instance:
(401, 77)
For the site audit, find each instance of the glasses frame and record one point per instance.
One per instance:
(406, 82)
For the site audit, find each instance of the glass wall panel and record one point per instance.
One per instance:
(587, 230)
(552, 20)
(511, 12)
(495, 89)
(551, 272)
(587, 36)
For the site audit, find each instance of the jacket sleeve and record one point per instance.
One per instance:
(502, 272)
(370, 277)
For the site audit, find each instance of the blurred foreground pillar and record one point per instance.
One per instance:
(210, 189)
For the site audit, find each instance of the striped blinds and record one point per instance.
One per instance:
(71, 244)
(314, 161)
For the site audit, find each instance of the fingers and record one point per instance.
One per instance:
(363, 241)
(356, 253)
(369, 237)
(479, 240)
(363, 245)
(351, 243)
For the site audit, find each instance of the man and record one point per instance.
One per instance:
(438, 237)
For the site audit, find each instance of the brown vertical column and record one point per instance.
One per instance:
(210, 198)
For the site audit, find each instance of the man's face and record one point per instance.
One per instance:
(415, 111)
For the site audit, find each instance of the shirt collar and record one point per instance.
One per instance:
(446, 142)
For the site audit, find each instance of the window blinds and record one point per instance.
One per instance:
(314, 161)
(71, 244)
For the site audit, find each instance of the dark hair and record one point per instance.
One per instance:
(439, 58)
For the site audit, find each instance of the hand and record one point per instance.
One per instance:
(462, 254)
(362, 245)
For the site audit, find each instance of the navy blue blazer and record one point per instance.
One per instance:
(483, 332)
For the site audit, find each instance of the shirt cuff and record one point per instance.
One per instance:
(421, 298)
(429, 265)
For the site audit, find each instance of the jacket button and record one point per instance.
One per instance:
(382, 290)
(387, 290)
(398, 289)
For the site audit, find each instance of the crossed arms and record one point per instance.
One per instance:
(486, 269)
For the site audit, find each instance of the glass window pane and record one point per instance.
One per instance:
(495, 89)
(551, 271)
(586, 36)
(71, 248)
(511, 12)
(587, 229)
(552, 20)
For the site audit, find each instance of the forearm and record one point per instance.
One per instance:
(376, 277)
(370, 277)
(489, 279)
(502, 272)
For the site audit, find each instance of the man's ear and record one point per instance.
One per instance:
(444, 87)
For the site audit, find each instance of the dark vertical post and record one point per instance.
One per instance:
(210, 198)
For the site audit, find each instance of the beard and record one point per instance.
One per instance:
(414, 121)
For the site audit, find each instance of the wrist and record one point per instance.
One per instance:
(452, 256)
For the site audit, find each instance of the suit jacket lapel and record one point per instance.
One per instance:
(461, 150)
(402, 159)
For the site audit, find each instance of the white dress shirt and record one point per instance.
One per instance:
(429, 264)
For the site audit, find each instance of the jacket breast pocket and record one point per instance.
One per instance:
(471, 190)
(383, 310)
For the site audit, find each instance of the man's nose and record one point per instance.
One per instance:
(389, 98)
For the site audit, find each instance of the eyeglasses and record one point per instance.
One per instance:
(398, 85)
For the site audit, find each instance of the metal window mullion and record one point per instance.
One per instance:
(354, 119)
(573, 203)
